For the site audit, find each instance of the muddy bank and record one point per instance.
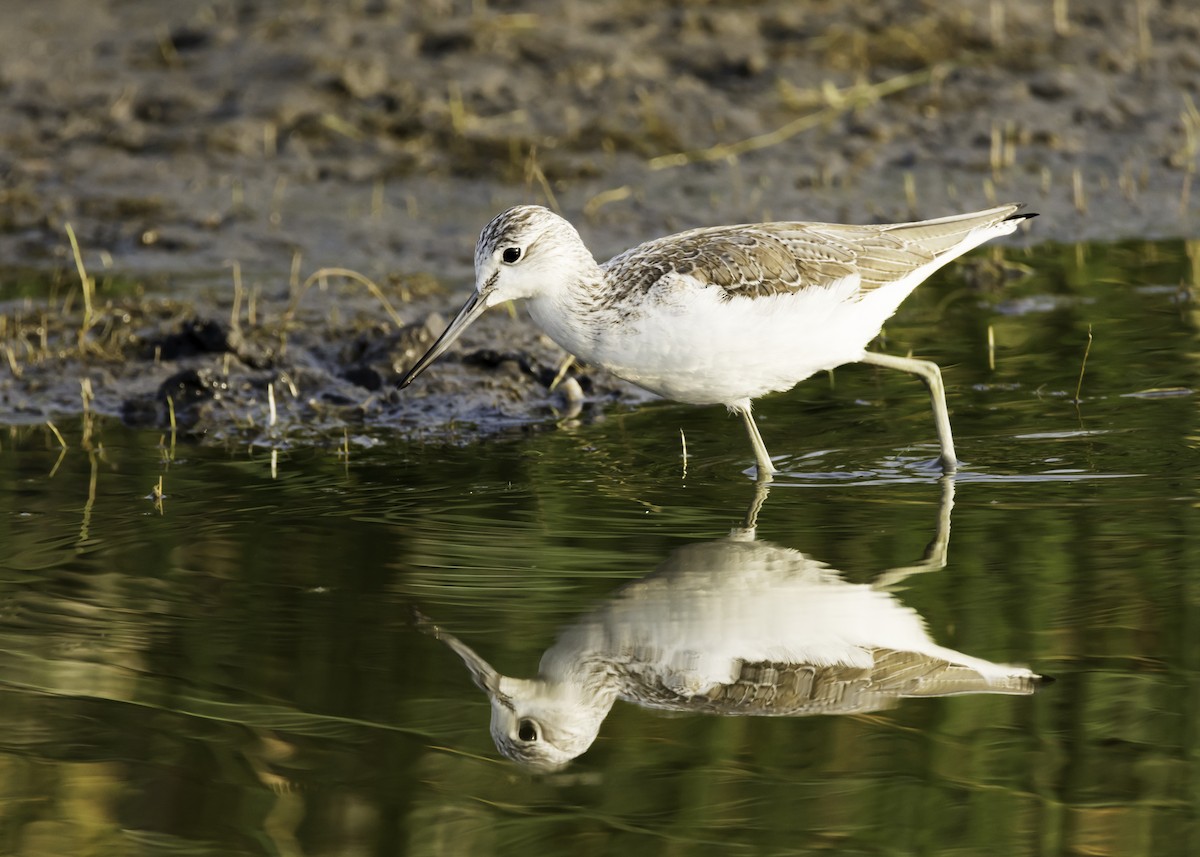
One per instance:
(288, 375)
(381, 136)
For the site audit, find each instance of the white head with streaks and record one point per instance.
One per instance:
(525, 252)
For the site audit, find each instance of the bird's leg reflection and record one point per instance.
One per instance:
(736, 626)
(936, 551)
(746, 532)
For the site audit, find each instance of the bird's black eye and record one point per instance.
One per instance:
(511, 254)
(526, 731)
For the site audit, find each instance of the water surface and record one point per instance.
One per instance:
(237, 671)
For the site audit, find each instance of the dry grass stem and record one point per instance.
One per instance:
(1145, 38)
(62, 447)
(534, 173)
(86, 396)
(1078, 194)
(1189, 118)
(235, 313)
(998, 23)
(1062, 21)
(616, 194)
(166, 47)
(563, 368)
(57, 434)
(375, 291)
(171, 418)
(294, 277)
(458, 110)
(86, 282)
(291, 385)
(996, 154)
(846, 100)
(989, 191)
(12, 361)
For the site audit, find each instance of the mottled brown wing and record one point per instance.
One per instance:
(753, 260)
(742, 260)
(886, 253)
(792, 690)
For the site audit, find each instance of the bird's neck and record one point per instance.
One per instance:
(567, 312)
(588, 290)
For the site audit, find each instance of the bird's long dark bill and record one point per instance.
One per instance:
(485, 677)
(472, 309)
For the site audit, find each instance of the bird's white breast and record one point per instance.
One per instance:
(688, 341)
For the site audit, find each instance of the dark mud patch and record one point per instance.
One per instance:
(286, 377)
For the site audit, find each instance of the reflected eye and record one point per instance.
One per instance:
(526, 730)
(511, 254)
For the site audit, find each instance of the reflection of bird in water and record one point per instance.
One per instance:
(732, 627)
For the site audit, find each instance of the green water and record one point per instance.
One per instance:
(239, 673)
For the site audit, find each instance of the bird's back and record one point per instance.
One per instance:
(758, 259)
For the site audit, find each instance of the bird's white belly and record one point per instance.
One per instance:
(705, 350)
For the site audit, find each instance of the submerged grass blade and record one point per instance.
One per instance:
(1083, 367)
